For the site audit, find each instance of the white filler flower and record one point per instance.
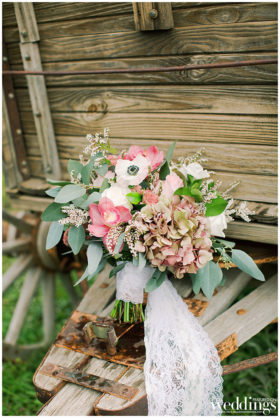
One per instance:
(132, 173)
(118, 195)
(217, 224)
(195, 170)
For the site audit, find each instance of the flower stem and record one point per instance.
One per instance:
(127, 312)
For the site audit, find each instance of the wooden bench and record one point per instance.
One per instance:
(229, 326)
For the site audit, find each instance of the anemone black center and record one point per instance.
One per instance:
(133, 170)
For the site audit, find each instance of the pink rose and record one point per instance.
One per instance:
(105, 215)
(149, 197)
(171, 184)
(133, 151)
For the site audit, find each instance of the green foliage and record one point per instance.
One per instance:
(207, 278)
(246, 264)
(76, 237)
(164, 170)
(54, 234)
(170, 151)
(191, 188)
(216, 206)
(58, 182)
(155, 281)
(93, 198)
(69, 193)
(134, 198)
(53, 192)
(94, 256)
(105, 185)
(53, 212)
(117, 268)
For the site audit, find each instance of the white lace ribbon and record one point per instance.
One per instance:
(183, 373)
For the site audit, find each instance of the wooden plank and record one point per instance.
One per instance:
(256, 188)
(26, 19)
(48, 292)
(184, 99)
(154, 126)
(16, 269)
(238, 37)
(21, 224)
(28, 289)
(57, 11)
(253, 232)
(260, 74)
(225, 295)
(152, 16)
(19, 244)
(218, 14)
(260, 308)
(263, 159)
(264, 212)
(25, 202)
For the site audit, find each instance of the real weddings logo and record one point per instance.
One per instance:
(255, 406)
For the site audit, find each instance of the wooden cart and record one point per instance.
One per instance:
(230, 111)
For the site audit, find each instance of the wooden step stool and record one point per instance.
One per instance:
(125, 378)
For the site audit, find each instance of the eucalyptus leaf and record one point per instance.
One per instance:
(141, 261)
(69, 193)
(155, 281)
(102, 170)
(53, 192)
(86, 172)
(117, 268)
(53, 213)
(99, 269)
(79, 201)
(216, 207)
(225, 243)
(208, 278)
(105, 185)
(93, 198)
(119, 243)
(94, 255)
(164, 171)
(246, 264)
(58, 182)
(170, 151)
(54, 235)
(76, 166)
(135, 261)
(84, 276)
(76, 237)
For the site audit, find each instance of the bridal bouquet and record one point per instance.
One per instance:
(141, 207)
(152, 219)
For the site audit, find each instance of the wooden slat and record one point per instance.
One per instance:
(49, 302)
(26, 19)
(58, 11)
(16, 269)
(260, 74)
(19, 244)
(154, 126)
(21, 224)
(28, 289)
(207, 99)
(153, 16)
(260, 309)
(240, 37)
(209, 15)
(253, 232)
(252, 187)
(263, 159)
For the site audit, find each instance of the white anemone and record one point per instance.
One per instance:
(132, 173)
(195, 170)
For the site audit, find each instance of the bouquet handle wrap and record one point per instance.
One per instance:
(183, 374)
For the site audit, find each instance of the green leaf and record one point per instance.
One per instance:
(197, 195)
(208, 278)
(84, 276)
(76, 166)
(94, 256)
(246, 264)
(135, 261)
(155, 281)
(102, 170)
(141, 261)
(76, 237)
(58, 182)
(116, 269)
(164, 171)
(105, 185)
(170, 151)
(99, 269)
(216, 207)
(53, 192)
(183, 191)
(53, 213)
(54, 235)
(225, 243)
(79, 201)
(134, 198)
(119, 243)
(70, 192)
(93, 198)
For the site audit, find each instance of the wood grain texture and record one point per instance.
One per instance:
(263, 158)
(239, 37)
(155, 126)
(184, 99)
(253, 232)
(260, 74)
(261, 308)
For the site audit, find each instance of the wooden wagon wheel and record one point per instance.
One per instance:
(25, 240)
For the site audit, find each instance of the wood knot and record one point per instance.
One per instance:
(241, 311)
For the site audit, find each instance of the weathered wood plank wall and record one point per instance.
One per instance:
(232, 112)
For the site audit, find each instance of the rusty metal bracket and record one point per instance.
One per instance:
(90, 381)
(13, 114)
(103, 332)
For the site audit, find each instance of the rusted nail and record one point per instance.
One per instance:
(24, 33)
(153, 14)
(11, 95)
(5, 59)
(37, 114)
(48, 169)
(241, 311)
(27, 57)
(19, 131)
(24, 163)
